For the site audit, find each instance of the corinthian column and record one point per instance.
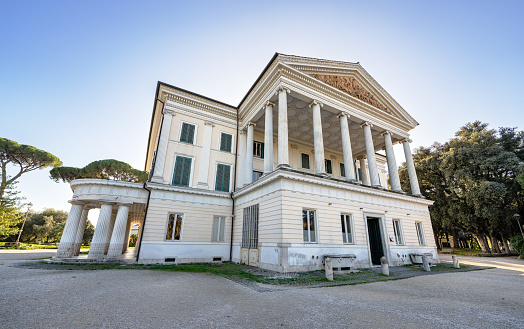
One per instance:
(320, 167)
(370, 153)
(117, 238)
(268, 138)
(206, 153)
(242, 159)
(392, 163)
(249, 154)
(346, 147)
(67, 241)
(413, 180)
(161, 152)
(283, 143)
(98, 244)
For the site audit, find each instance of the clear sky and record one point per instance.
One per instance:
(77, 78)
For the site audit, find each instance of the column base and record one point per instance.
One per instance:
(65, 250)
(114, 252)
(157, 179)
(203, 185)
(283, 165)
(96, 251)
(399, 191)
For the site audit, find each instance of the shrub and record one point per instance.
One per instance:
(517, 242)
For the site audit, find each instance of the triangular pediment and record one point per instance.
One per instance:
(351, 86)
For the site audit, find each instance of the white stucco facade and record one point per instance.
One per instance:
(295, 172)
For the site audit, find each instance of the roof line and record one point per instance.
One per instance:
(196, 94)
(258, 79)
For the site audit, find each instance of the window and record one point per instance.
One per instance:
(258, 149)
(342, 170)
(257, 175)
(420, 233)
(250, 227)
(305, 161)
(187, 133)
(174, 227)
(182, 171)
(222, 180)
(225, 142)
(397, 231)
(347, 234)
(359, 174)
(308, 221)
(219, 229)
(327, 162)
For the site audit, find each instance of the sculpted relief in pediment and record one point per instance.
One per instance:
(351, 86)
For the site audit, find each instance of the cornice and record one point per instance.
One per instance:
(290, 174)
(188, 190)
(205, 115)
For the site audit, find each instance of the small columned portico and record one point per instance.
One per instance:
(66, 248)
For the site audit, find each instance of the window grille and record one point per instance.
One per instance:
(250, 227)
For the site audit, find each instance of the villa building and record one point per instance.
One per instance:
(288, 176)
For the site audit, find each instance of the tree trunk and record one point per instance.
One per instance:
(483, 243)
(505, 243)
(437, 242)
(494, 243)
(455, 238)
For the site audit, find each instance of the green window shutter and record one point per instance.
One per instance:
(188, 133)
(342, 170)
(305, 161)
(183, 133)
(191, 134)
(222, 179)
(182, 171)
(329, 170)
(225, 142)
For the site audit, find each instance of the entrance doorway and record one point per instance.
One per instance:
(375, 240)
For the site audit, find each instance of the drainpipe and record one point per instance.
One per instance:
(234, 187)
(151, 173)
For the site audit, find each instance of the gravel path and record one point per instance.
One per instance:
(39, 298)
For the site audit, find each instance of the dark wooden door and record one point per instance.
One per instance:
(375, 240)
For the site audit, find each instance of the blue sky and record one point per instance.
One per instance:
(77, 78)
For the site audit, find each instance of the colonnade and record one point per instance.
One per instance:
(111, 235)
(246, 148)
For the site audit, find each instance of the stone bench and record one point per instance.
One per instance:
(416, 259)
(341, 262)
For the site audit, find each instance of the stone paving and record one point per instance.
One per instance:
(40, 298)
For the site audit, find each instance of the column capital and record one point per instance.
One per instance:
(361, 157)
(250, 123)
(107, 202)
(343, 115)
(405, 140)
(76, 202)
(293, 146)
(124, 203)
(282, 88)
(315, 102)
(169, 112)
(269, 104)
(209, 123)
(243, 132)
(332, 157)
(366, 123)
(386, 132)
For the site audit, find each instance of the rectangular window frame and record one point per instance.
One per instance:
(342, 169)
(220, 224)
(328, 164)
(308, 225)
(258, 173)
(231, 146)
(347, 234)
(194, 132)
(174, 231)
(230, 175)
(308, 164)
(420, 233)
(397, 231)
(191, 170)
(258, 149)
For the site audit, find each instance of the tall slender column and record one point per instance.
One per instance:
(268, 138)
(80, 230)
(320, 167)
(206, 153)
(392, 163)
(249, 154)
(283, 142)
(346, 147)
(110, 231)
(67, 241)
(242, 159)
(363, 170)
(98, 244)
(118, 236)
(126, 236)
(413, 180)
(161, 152)
(370, 153)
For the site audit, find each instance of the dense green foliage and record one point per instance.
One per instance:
(45, 226)
(25, 158)
(473, 180)
(102, 169)
(11, 215)
(88, 233)
(517, 242)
